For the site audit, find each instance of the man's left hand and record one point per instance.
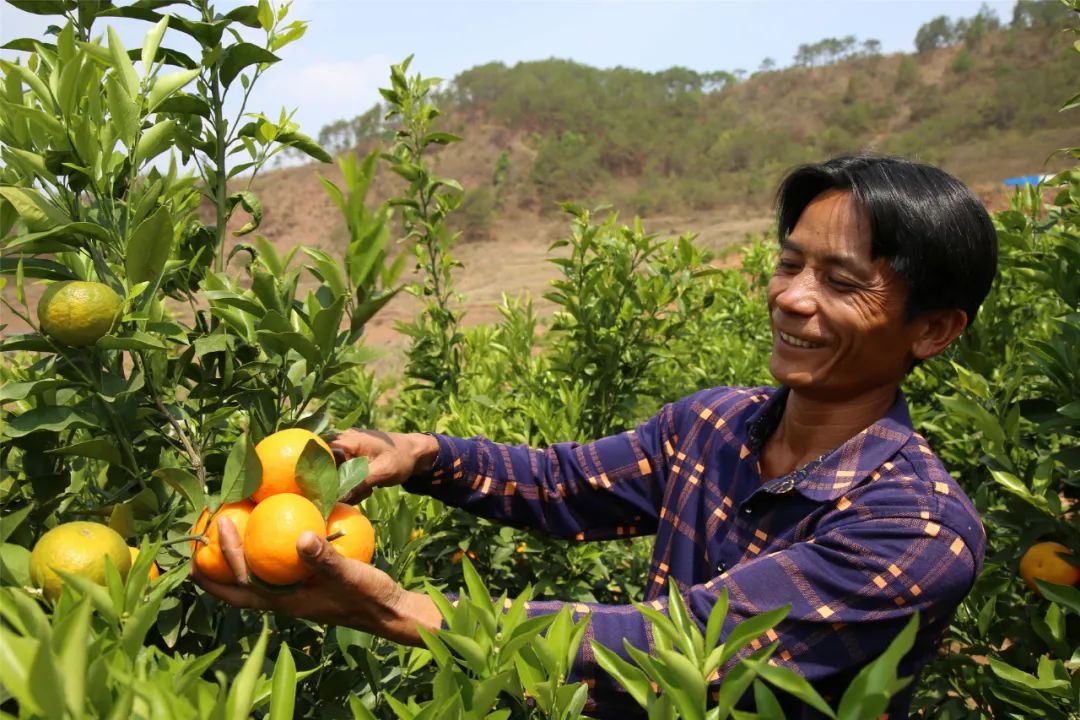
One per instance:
(341, 591)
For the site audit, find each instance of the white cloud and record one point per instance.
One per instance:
(323, 91)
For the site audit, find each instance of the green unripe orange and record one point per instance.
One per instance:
(78, 312)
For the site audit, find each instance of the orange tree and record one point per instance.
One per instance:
(218, 343)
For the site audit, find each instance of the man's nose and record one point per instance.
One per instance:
(800, 295)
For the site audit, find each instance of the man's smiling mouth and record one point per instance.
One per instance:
(798, 342)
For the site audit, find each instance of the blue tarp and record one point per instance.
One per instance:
(1024, 180)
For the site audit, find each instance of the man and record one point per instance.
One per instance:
(817, 494)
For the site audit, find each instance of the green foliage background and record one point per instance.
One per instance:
(218, 348)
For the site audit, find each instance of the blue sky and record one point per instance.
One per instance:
(335, 70)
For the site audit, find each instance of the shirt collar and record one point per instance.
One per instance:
(846, 466)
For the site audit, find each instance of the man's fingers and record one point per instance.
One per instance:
(236, 595)
(319, 554)
(232, 548)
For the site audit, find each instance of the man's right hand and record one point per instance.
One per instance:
(393, 457)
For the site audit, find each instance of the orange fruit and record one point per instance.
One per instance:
(275, 525)
(155, 571)
(78, 313)
(278, 454)
(1043, 562)
(207, 556)
(79, 548)
(358, 542)
(457, 556)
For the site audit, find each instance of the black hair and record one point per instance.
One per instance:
(934, 231)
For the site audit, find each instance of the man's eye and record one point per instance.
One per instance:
(841, 285)
(787, 265)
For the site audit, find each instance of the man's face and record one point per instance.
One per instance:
(837, 315)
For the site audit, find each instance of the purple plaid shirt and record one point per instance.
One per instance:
(855, 542)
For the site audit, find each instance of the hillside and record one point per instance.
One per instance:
(694, 152)
(679, 142)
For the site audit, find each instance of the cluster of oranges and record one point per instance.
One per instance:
(275, 516)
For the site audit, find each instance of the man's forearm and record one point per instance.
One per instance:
(411, 610)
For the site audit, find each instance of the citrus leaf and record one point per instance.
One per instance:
(350, 474)
(121, 62)
(317, 477)
(37, 212)
(49, 418)
(283, 694)
(154, 141)
(185, 483)
(14, 564)
(136, 340)
(151, 43)
(243, 472)
(247, 200)
(1062, 594)
(240, 56)
(98, 448)
(166, 85)
(304, 144)
(242, 692)
(149, 247)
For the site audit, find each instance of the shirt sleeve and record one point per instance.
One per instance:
(609, 488)
(851, 591)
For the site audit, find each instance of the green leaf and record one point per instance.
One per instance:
(135, 340)
(304, 144)
(12, 520)
(99, 448)
(154, 141)
(185, 483)
(1007, 672)
(29, 388)
(749, 629)
(123, 109)
(150, 247)
(765, 702)
(1066, 595)
(441, 138)
(37, 85)
(71, 639)
(869, 692)
(633, 680)
(715, 624)
(48, 418)
(165, 86)
(317, 477)
(37, 212)
(359, 709)
(121, 62)
(283, 695)
(1017, 487)
(243, 472)
(475, 657)
(351, 473)
(795, 684)
(266, 15)
(250, 203)
(150, 45)
(242, 692)
(14, 563)
(689, 638)
(46, 682)
(240, 56)
(282, 342)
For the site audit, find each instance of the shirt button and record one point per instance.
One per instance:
(747, 510)
(720, 568)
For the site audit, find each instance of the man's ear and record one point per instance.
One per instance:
(937, 330)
